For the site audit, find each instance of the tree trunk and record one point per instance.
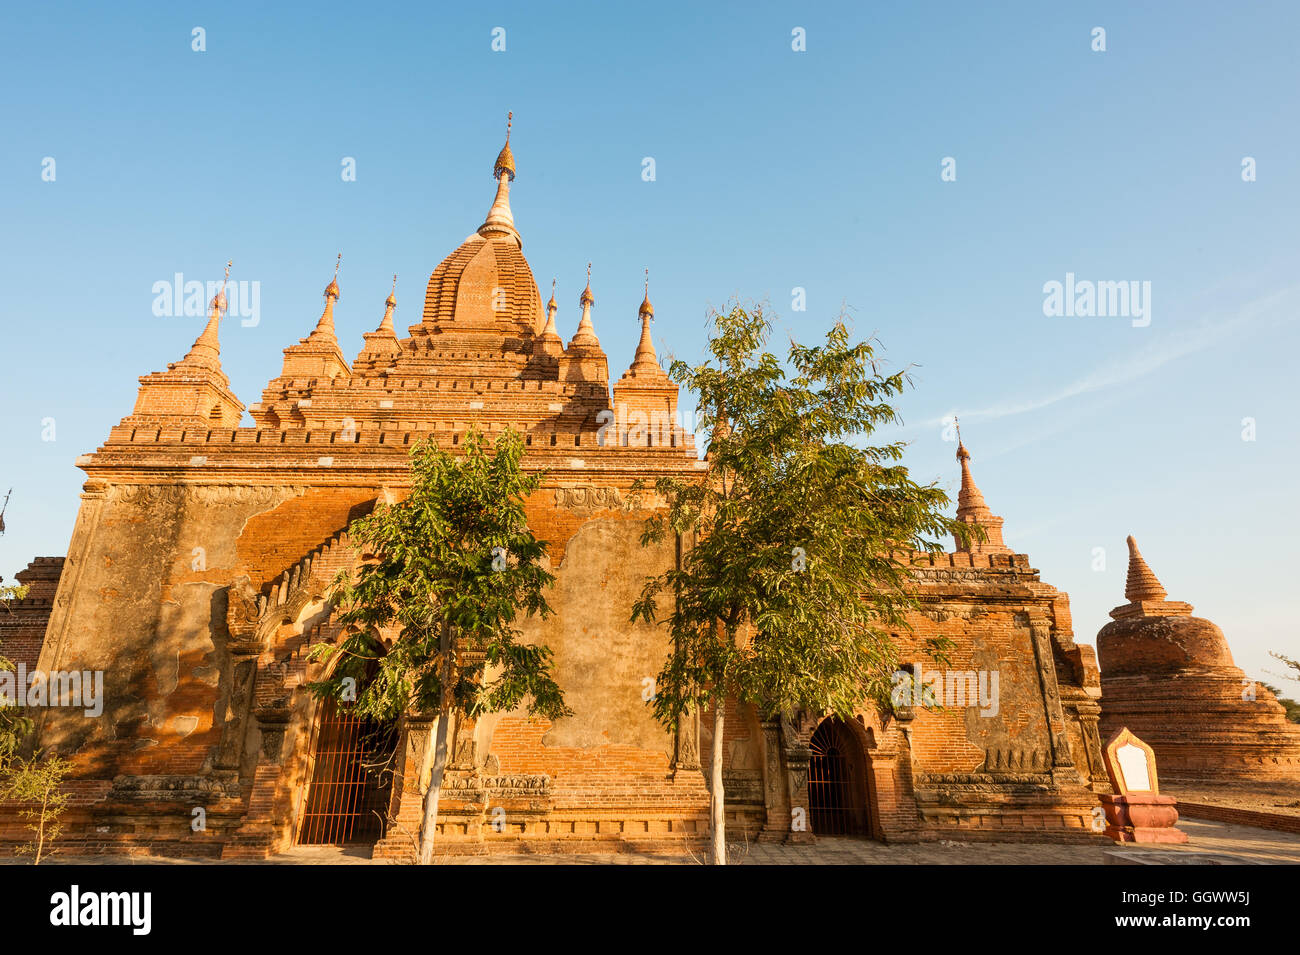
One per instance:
(717, 797)
(429, 825)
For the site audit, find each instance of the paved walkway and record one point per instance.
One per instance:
(1210, 842)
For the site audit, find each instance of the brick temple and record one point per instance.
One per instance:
(199, 569)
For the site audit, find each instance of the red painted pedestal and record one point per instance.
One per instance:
(1142, 817)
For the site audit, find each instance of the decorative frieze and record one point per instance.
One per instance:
(587, 497)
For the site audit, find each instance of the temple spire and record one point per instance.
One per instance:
(1142, 585)
(206, 350)
(325, 327)
(1145, 594)
(969, 499)
(550, 331)
(971, 508)
(586, 333)
(500, 220)
(645, 357)
(391, 303)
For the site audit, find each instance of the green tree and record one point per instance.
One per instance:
(15, 727)
(1291, 706)
(800, 536)
(429, 620)
(38, 782)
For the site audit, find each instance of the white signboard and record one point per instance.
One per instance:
(1133, 764)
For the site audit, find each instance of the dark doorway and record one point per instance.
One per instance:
(351, 779)
(837, 785)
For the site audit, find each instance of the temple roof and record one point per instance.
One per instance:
(486, 284)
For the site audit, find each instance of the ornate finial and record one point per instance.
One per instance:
(505, 159)
(551, 306)
(586, 298)
(647, 310)
(219, 300)
(392, 296)
(962, 453)
(333, 287)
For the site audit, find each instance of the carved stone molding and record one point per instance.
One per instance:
(273, 723)
(588, 497)
(218, 785)
(1014, 759)
(145, 495)
(984, 782)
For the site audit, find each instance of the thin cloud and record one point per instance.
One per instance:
(1137, 365)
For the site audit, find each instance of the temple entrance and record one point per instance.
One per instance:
(351, 775)
(837, 782)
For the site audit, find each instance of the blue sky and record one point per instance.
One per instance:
(774, 169)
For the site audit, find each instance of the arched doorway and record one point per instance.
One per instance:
(837, 782)
(351, 778)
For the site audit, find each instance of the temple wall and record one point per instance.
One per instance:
(148, 608)
(23, 622)
(144, 608)
(965, 736)
(602, 663)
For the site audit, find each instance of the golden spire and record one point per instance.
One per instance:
(206, 349)
(500, 220)
(586, 333)
(325, 326)
(645, 358)
(389, 304)
(1142, 585)
(549, 331)
(505, 159)
(333, 287)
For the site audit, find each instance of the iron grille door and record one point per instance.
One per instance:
(830, 788)
(350, 782)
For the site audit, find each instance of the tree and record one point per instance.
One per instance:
(1291, 706)
(449, 569)
(15, 727)
(38, 782)
(801, 536)
(35, 781)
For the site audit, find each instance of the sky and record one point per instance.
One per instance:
(827, 169)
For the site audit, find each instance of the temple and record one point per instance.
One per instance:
(199, 570)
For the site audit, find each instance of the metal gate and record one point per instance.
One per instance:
(832, 803)
(351, 778)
